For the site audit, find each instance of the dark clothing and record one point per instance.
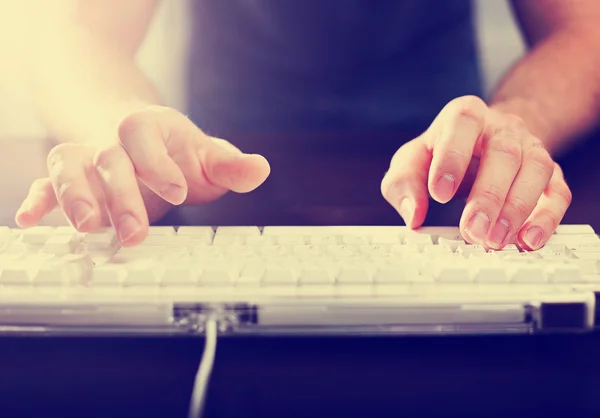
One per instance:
(328, 65)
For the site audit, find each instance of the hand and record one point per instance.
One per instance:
(160, 159)
(517, 192)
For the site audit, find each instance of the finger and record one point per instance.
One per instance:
(548, 213)
(499, 164)
(405, 184)
(533, 177)
(40, 201)
(69, 177)
(219, 165)
(460, 125)
(227, 168)
(124, 202)
(144, 136)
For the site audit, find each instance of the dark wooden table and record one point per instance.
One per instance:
(276, 377)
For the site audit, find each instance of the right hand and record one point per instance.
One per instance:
(160, 159)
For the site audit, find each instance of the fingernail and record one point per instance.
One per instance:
(128, 226)
(81, 212)
(406, 209)
(533, 237)
(499, 233)
(173, 193)
(479, 225)
(444, 187)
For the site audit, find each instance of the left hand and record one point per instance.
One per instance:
(517, 192)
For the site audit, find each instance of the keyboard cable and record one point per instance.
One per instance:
(200, 389)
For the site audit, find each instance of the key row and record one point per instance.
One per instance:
(80, 271)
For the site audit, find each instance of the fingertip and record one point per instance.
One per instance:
(176, 194)
(29, 215)
(412, 210)
(24, 219)
(531, 238)
(130, 230)
(443, 188)
(241, 174)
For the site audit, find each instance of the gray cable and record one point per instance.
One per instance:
(204, 370)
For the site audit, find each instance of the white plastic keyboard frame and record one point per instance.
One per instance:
(268, 311)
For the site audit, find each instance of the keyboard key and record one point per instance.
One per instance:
(36, 235)
(180, 275)
(61, 244)
(527, 273)
(291, 240)
(198, 234)
(573, 239)
(225, 240)
(141, 274)
(279, 274)
(316, 274)
(354, 274)
(459, 272)
(565, 273)
(574, 229)
(16, 274)
(387, 274)
(490, 273)
(219, 274)
(108, 275)
(5, 237)
(238, 231)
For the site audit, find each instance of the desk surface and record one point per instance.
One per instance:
(416, 377)
(339, 377)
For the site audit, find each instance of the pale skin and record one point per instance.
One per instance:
(500, 152)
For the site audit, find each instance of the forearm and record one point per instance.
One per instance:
(83, 87)
(555, 88)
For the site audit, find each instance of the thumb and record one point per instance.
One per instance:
(405, 184)
(227, 167)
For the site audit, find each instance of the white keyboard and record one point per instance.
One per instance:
(289, 277)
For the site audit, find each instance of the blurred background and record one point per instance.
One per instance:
(163, 56)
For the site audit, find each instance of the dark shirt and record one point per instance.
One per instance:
(278, 77)
(328, 65)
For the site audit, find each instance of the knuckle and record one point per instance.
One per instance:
(64, 191)
(106, 157)
(388, 187)
(519, 206)
(548, 217)
(130, 125)
(493, 195)
(456, 158)
(470, 107)
(57, 155)
(141, 119)
(515, 123)
(117, 195)
(541, 160)
(564, 193)
(505, 143)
